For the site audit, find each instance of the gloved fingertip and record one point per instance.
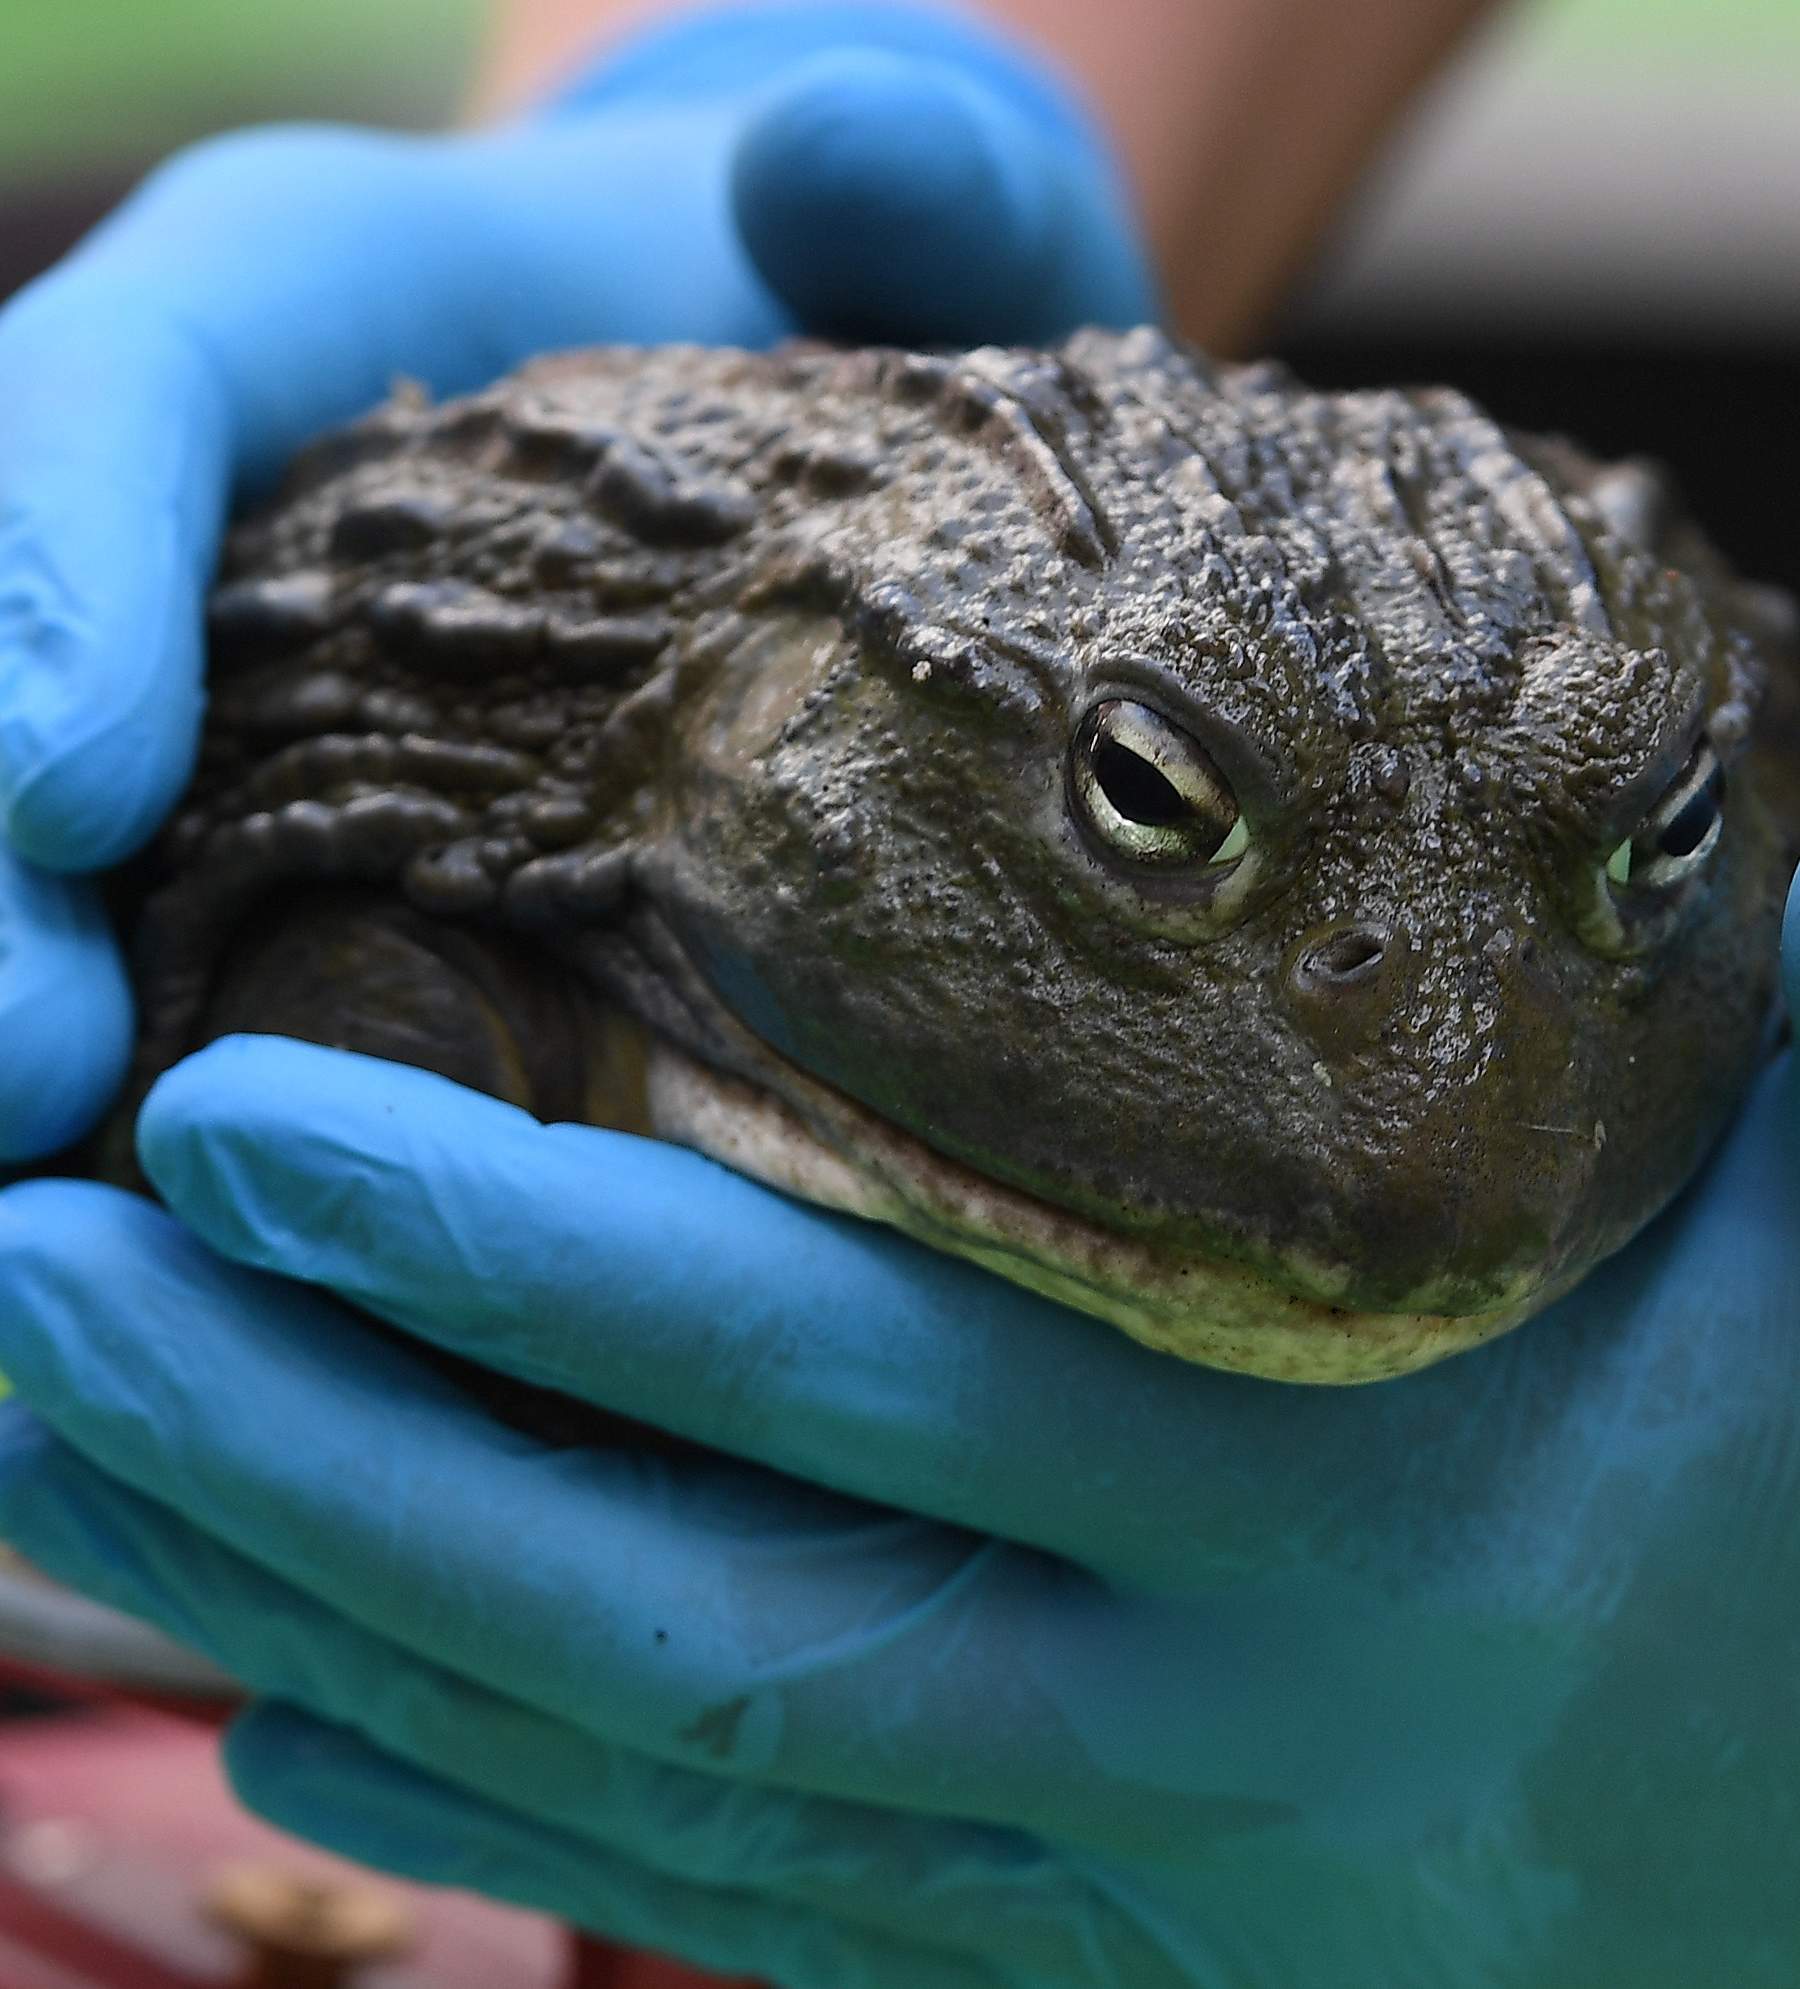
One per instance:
(58, 1242)
(111, 488)
(85, 809)
(270, 1149)
(203, 1122)
(271, 1750)
(327, 1784)
(49, 1225)
(212, 1114)
(66, 1015)
(895, 197)
(185, 1099)
(62, 1067)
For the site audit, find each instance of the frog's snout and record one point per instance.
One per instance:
(1341, 980)
(1442, 1056)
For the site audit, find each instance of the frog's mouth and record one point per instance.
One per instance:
(794, 1132)
(662, 1052)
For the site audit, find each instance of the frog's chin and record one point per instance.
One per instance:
(798, 1134)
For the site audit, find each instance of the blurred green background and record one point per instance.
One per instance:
(105, 80)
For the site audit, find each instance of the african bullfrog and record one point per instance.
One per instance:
(1293, 874)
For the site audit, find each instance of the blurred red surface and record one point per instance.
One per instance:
(112, 1818)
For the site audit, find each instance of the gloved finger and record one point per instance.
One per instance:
(649, 1280)
(61, 986)
(952, 212)
(908, 173)
(112, 431)
(325, 1783)
(704, 1612)
(907, 1878)
(257, 289)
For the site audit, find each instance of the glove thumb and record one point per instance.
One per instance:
(899, 195)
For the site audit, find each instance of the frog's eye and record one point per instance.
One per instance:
(1149, 791)
(1678, 834)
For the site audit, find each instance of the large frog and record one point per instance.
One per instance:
(1295, 875)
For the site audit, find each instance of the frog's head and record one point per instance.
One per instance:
(1292, 864)
(1292, 874)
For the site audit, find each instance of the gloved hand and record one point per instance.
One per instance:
(998, 1651)
(869, 169)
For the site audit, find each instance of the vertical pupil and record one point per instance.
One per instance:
(1135, 788)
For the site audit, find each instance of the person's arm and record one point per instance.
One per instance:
(1242, 124)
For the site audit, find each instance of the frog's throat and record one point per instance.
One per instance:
(811, 1140)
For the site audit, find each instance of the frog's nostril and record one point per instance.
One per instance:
(1341, 983)
(1349, 955)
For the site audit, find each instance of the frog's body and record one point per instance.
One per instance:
(1198, 846)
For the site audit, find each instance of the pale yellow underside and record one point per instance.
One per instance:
(818, 1144)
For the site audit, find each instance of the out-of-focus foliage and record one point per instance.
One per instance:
(1659, 30)
(116, 81)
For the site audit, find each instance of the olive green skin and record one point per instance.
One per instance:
(738, 691)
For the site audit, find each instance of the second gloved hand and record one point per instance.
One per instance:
(992, 1652)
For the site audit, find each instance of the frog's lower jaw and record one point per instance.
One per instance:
(810, 1140)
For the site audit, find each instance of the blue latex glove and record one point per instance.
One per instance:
(1000, 1651)
(876, 169)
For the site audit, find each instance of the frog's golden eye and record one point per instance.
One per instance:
(1150, 792)
(1678, 834)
